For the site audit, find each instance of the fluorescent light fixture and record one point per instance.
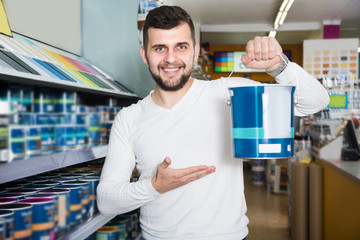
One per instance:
(289, 5)
(358, 49)
(283, 5)
(282, 19)
(277, 20)
(272, 34)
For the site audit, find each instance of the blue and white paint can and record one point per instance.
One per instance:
(263, 125)
(33, 141)
(22, 220)
(16, 142)
(75, 202)
(65, 138)
(63, 206)
(42, 218)
(7, 225)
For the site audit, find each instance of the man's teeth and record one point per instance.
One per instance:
(171, 69)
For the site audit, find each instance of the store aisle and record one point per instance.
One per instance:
(267, 212)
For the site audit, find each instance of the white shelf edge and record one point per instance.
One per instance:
(86, 228)
(23, 168)
(9, 75)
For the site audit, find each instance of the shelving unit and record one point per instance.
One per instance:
(31, 166)
(12, 76)
(84, 229)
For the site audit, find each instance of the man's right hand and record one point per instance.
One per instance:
(167, 178)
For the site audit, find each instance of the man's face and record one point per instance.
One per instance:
(170, 56)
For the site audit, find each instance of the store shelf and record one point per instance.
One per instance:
(86, 228)
(31, 166)
(13, 76)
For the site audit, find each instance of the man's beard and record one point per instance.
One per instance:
(162, 84)
(183, 80)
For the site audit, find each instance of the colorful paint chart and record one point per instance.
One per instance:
(331, 57)
(229, 61)
(23, 55)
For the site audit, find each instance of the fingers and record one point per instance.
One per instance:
(261, 48)
(198, 174)
(166, 163)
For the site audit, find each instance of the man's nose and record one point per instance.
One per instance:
(170, 56)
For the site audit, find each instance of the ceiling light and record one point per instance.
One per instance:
(289, 5)
(282, 19)
(272, 34)
(277, 20)
(283, 5)
(358, 49)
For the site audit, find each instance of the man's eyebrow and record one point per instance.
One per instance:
(182, 43)
(157, 45)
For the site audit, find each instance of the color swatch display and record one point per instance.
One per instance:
(23, 55)
(229, 61)
(331, 57)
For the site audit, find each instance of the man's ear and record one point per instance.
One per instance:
(197, 52)
(143, 54)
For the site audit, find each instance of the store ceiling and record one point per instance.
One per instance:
(237, 21)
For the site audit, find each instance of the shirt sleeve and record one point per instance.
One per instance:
(310, 96)
(115, 193)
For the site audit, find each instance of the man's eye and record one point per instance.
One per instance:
(159, 49)
(182, 47)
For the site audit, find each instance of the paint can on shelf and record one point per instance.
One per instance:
(107, 233)
(42, 217)
(74, 203)
(7, 225)
(22, 219)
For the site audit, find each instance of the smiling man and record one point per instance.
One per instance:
(179, 137)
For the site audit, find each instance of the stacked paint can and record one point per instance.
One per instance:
(44, 121)
(22, 220)
(6, 224)
(258, 171)
(42, 217)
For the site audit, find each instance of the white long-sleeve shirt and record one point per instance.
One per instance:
(195, 131)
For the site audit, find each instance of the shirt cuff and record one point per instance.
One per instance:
(150, 188)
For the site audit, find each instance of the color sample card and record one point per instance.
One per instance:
(331, 57)
(229, 61)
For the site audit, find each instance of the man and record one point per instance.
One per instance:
(179, 137)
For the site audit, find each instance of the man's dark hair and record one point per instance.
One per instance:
(166, 17)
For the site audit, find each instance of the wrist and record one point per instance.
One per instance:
(278, 68)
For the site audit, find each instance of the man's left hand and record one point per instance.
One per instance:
(261, 54)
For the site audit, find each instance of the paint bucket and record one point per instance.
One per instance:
(65, 138)
(33, 141)
(107, 233)
(47, 139)
(65, 102)
(63, 206)
(23, 191)
(22, 219)
(18, 196)
(56, 204)
(75, 202)
(42, 218)
(82, 137)
(16, 142)
(121, 226)
(93, 183)
(7, 226)
(6, 200)
(262, 119)
(93, 129)
(43, 102)
(36, 186)
(85, 198)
